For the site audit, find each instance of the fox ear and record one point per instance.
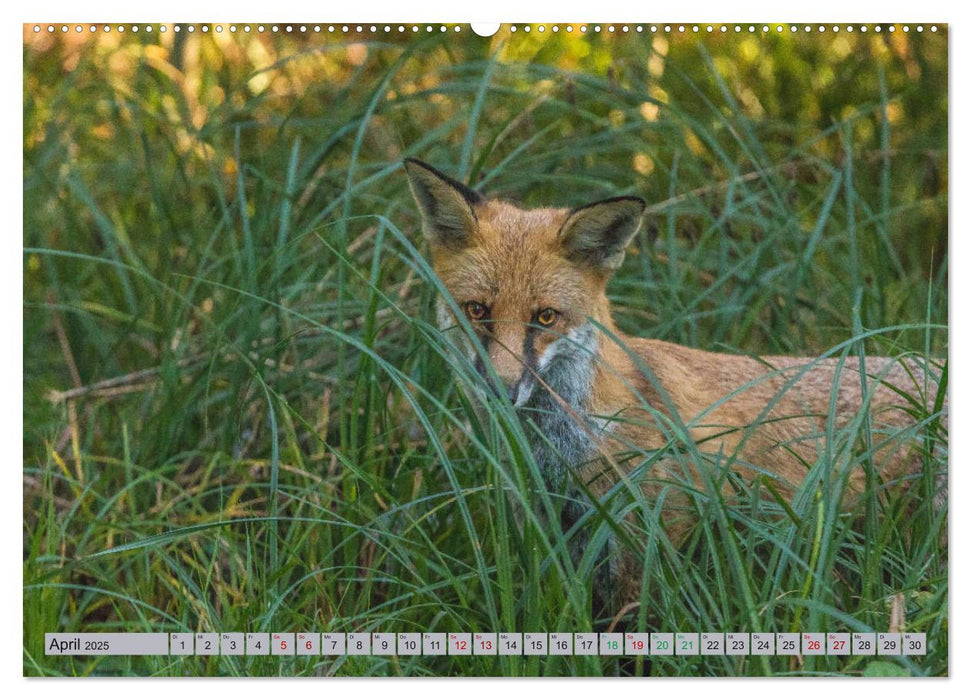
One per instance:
(597, 235)
(448, 218)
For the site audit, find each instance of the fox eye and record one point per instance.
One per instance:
(547, 317)
(475, 310)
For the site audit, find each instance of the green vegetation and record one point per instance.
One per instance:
(239, 414)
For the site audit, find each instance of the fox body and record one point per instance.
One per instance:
(533, 285)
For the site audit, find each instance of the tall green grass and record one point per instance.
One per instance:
(257, 425)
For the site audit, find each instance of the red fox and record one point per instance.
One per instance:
(532, 284)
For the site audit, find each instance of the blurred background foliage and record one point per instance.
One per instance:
(182, 190)
(138, 145)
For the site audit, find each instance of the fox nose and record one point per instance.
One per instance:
(505, 352)
(509, 387)
(511, 390)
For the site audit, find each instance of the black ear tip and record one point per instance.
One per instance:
(641, 204)
(633, 202)
(414, 162)
(613, 201)
(420, 171)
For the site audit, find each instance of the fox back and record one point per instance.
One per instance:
(533, 286)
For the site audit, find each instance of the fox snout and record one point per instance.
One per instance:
(508, 387)
(518, 390)
(512, 369)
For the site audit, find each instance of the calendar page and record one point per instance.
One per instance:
(524, 349)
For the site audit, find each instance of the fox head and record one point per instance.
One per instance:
(529, 281)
